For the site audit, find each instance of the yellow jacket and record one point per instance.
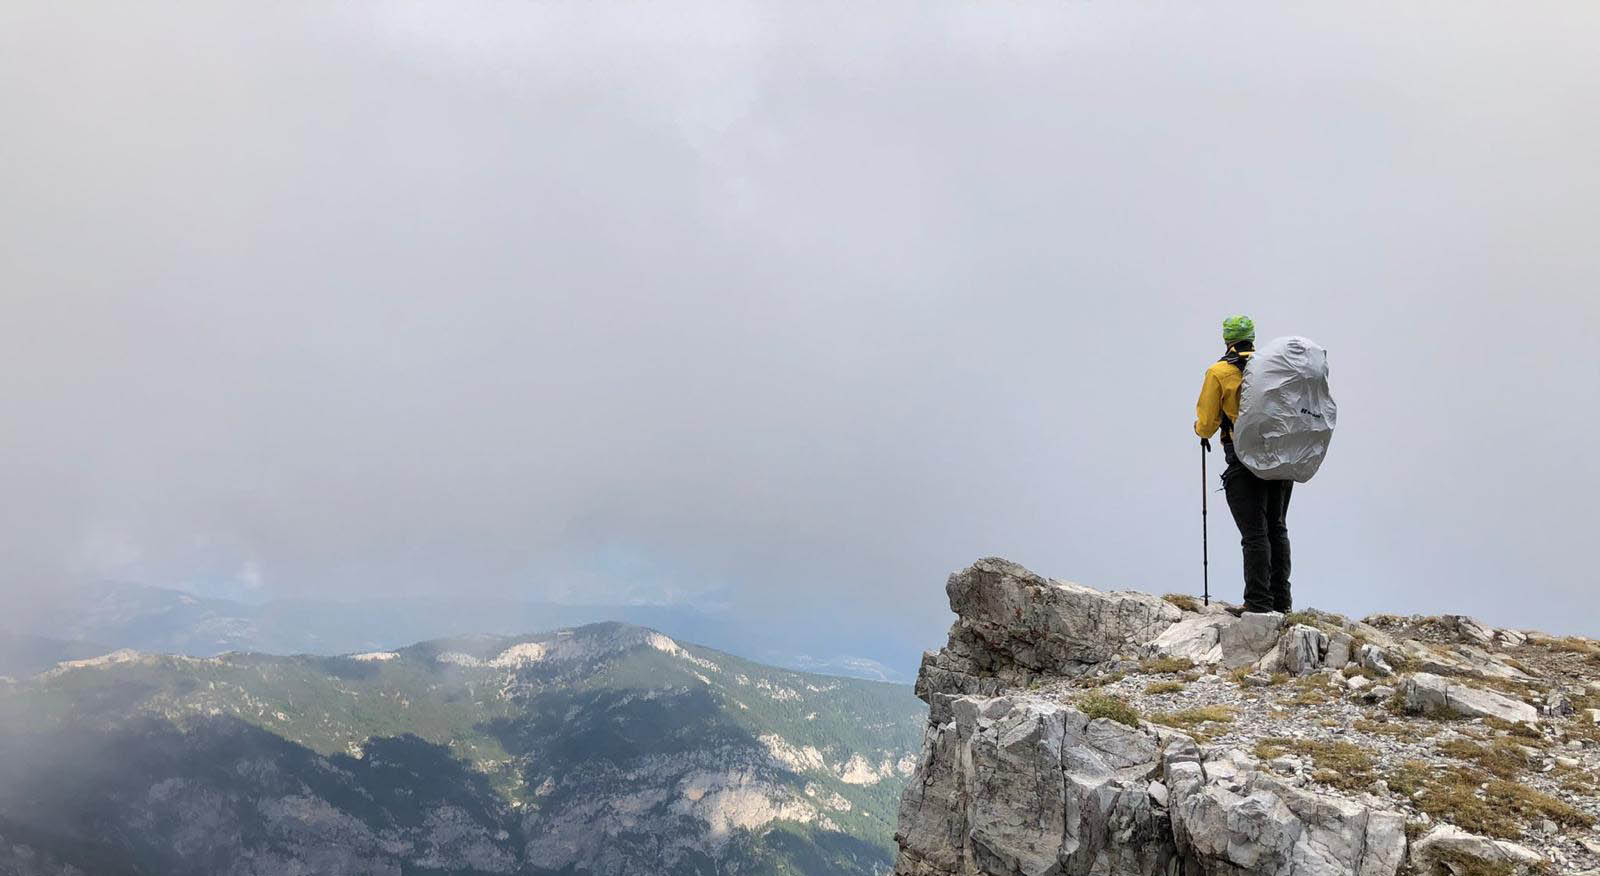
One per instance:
(1219, 397)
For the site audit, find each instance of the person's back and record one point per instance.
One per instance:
(1219, 397)
(1260, 507)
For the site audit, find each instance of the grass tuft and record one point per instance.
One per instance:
(1519, 730)
(1532, 804)
(1100, 680)
(1339, 764)
(1302, 617)
(1185, 603)
(1577, 782)
(1396, 704)
(1104, 705)
(1164, 687)
(1311, 690)
(1164, 665)
(1574, 645)
(1462, 864)
(1451, 793)
(1501, 757)
(1197, 721)
(1402, 664)
(1396, 729)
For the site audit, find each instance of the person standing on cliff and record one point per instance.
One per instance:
(1260, 507)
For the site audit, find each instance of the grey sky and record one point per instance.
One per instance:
(789, 307)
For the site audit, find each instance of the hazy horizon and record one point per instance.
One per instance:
(788, 312)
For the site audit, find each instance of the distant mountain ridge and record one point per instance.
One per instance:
(607, 748)
(169, 621)
(22, 655)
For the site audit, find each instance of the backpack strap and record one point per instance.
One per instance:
(1234, 357)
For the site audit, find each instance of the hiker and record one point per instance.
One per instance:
(1260, 507)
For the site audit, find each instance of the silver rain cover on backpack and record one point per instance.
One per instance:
(1286, 413)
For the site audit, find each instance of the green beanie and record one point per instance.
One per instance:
(1238, 328)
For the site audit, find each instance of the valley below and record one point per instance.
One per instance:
(604, 749)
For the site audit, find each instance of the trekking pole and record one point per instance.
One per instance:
(1205, 547)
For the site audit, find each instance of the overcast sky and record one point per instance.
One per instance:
(790, 308)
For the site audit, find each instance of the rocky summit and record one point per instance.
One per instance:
(1073, 731)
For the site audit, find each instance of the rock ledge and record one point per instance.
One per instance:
(1075, 731)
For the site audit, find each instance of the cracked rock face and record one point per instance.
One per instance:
(1013, 625)
(1030, 787)
(1253, 637)
(1230, 817)
(1077, 732)
(1430, 693)
(1020, 785)
(1447, 850)
(1197, 638)
(1302, 649)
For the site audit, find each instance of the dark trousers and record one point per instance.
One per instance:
(1261, 508)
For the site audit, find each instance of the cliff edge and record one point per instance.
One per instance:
(1073, 731)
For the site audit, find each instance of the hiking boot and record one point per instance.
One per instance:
(1242, 610)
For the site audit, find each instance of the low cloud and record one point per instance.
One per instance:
(787, 310)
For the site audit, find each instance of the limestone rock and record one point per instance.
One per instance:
(1460, 659)
(1338, 650)
(1470, 629)
(1302, 649)
(1026, 786)
(1447, 850)
(1286, 764)
(1016, 779)
(1253, 637)
(951, 671)
(1373, 658)
(1158, 794)
(1231, 818)
(1198, 637)
(1558, 704)
(1427, 693)
(1486, 664)
(1510, 638)
(1012, 624)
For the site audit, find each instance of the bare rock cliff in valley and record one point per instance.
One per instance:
(1073, 731)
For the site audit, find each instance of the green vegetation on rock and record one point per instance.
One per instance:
(1104, 705)
(480, 754)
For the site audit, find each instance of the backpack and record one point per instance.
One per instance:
(1286, 413)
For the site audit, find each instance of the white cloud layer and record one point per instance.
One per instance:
(795, 307)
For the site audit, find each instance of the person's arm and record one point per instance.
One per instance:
(1208, 411)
